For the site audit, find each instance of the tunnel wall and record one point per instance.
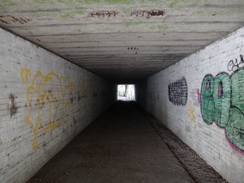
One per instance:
(201, 99)
(45, 102)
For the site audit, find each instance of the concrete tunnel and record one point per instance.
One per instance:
(61, 62)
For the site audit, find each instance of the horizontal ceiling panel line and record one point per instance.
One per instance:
(126, 33)
(149, 53)
(127, 47)
(124, 23)
(138, 40)
(137, 62)
(111, 54)
(124, 47)
(121, 62)
(128, 56)
(122, 28)
(101, 62)
(155, 51)
(162, 46)
(125, 43)
(46, 9)
(84, 59)
(101, 69)
(133, 62)
(129, 36)
(128, 61)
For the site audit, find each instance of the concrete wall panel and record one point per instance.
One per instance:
(201, 100)
(45, 102)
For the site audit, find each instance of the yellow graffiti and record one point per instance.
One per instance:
(192, 115)
(48, 96)
(25, 75)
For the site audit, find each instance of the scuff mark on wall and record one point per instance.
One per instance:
(198, 96)
(12, 106)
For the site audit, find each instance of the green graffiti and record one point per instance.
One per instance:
(207, 104)
(222, 102)
(235, 127)
(221, 95)
(237, 95)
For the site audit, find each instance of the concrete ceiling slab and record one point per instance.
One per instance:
(122, 40)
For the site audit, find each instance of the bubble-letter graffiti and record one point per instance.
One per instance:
(222, 102)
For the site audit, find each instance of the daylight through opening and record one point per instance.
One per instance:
(126, 92)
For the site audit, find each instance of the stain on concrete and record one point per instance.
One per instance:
(12, 106)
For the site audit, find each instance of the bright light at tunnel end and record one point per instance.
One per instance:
(126, 92)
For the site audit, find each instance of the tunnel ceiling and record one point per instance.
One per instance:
(122, 40)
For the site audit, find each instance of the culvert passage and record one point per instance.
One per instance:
(125, 144)
(120, 146)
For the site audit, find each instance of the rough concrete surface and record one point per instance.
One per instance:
(122, 40)
(121, 146)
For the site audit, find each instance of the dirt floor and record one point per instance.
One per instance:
(126, 145)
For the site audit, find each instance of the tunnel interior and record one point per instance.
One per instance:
(62, 63)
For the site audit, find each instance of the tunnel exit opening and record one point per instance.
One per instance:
(126, 92)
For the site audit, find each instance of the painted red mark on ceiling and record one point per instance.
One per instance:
(104, 13)
(9, 19)
(147, 13)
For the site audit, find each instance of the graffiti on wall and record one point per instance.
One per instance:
(177, 92)
(236, 64)
(198, 96)
(49, 97)
(192, 115)
(82, 95)
(222, 102)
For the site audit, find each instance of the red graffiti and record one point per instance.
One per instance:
(8, 19)
(104, 13)
(133, 48)
(148, 13)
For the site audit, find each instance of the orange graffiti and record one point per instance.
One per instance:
(48, 96)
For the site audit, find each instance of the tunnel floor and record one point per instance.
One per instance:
(120, 146)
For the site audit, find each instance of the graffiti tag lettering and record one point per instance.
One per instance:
(235, 64)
